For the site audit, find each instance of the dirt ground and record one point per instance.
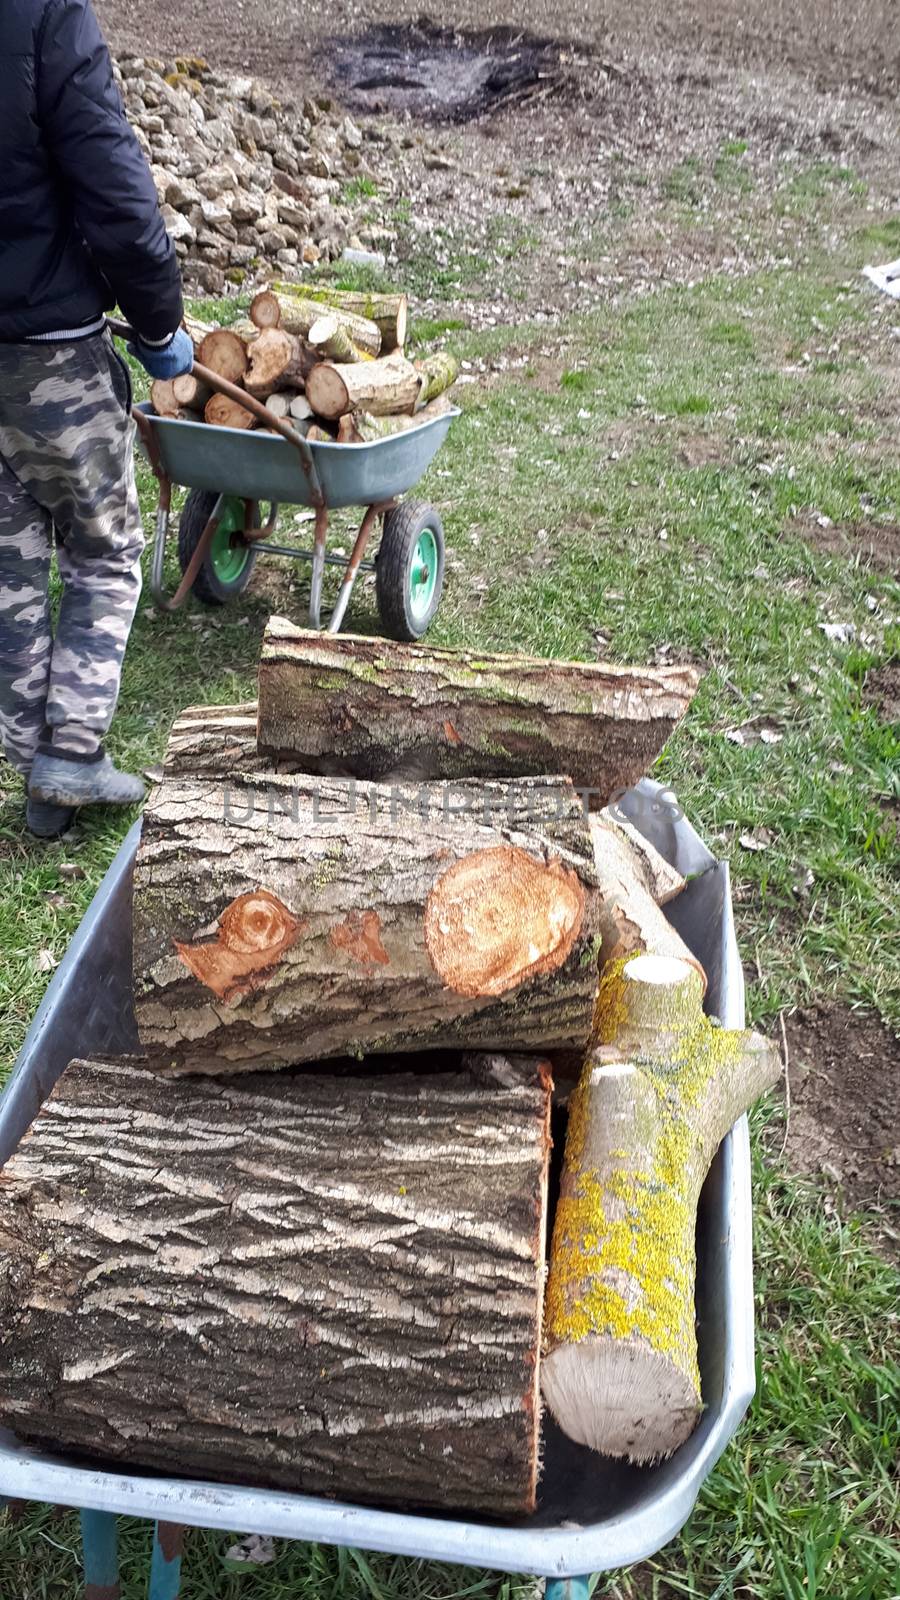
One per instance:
(844, 1126)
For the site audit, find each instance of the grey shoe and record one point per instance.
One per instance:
(73, 780)
(48, 821)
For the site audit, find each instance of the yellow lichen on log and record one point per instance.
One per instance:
(657, 1095)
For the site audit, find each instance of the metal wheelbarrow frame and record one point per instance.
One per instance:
(263, 467)
(593, 1513)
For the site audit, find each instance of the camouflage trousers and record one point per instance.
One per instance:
(66, 470)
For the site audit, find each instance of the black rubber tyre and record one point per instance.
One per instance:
(214, 587)
(407, 601)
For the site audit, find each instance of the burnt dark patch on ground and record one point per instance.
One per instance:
(444, 74)
(844, 1070)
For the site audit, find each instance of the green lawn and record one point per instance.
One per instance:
(577, 524)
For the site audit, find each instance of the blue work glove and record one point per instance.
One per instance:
(170, 360)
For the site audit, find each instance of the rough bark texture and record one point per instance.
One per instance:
(281, 919)
(223, 412)
(224, 353)
(324, 1284)
(371, 708)
(363, 427)
(436, 373)
(381, 387)
(296, 315)
(658, 876)
(654, 1101)
(330, 338)
(213, 741)
(387, 311)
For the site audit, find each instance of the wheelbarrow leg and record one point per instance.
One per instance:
(567, 1589)
(352, 568)
(100, 1550)
(318, 568)
(165, 1567)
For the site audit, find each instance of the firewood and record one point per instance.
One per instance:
(659, 877)
(196, 330)
(277, 360)
(329, 339)
(374, 708)
(436, 373)
(280, 404)
(224, 353)
(654, 1102)
(326, 1284)
(295, 315)
(301, 409)
(316, 434)
(163, 398)
(224, 412)
(474, 923)
(387, 311)
(191, 392)
(364, 428)
(213, 740)
(630, 916)
(391, 384)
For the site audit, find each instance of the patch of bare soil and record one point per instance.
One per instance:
(882, 690)
(844, 1070)
(872, 544)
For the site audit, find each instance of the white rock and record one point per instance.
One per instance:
(215, 212)
(163, 179)
(288, 257)
(216, 181)
(182, 193)
(351, 134)
(177, 225)
(248, 206)
(292, 212)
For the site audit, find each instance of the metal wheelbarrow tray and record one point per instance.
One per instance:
(249, 467)
(593, 1513)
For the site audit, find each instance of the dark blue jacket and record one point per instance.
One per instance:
(80, 226)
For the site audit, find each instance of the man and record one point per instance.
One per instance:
(80, 230)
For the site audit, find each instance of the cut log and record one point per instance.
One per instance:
(630, 918)
(213, 740)
(329, 339)
(277, 360)
(191, 392)
(224, 412)
(317, 434)
(280, 404)
(363, 427)
(654, 1102)
(388, 311)
(436, 373)
(224, 353)
(163, 398)
(391, 384)
(330, 1285)
(282, 919)
(296, 315)
(659, 877)
(372, 708)
(301, 410)
(196, 330)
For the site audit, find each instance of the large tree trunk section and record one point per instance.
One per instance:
(277, 360)
(381, 387)
(224, 353)
(373, 708)
(436, 373)
(223, 412)
(329, 1285)
(387, 311)
(269, 310)
(281, 919)
(655, 1100)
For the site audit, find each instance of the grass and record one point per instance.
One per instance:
(555, 505)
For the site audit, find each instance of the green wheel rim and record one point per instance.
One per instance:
(423, 573)
(227, 556)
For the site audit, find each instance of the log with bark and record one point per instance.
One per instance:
(163, 398)
(276, 360)
(373, 708)
(280, 919)
(224, 353)
(388, 311)
(630, 917)
(330, 1285)
(213, 740)
(655, 1099)
(196, 331)
(270, 310)
(436, 373)
(190, 392)
(330, 339)
(360, 427)
(388, 385)
(223, 412)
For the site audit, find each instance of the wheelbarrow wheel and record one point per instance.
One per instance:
(409, 570)
(229, 565)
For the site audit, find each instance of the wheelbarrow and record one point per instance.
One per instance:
(593, 1513)
(231, 472)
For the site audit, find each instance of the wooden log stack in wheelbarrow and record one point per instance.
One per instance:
(302, 1240)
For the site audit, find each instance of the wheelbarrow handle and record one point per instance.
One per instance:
(223, 386)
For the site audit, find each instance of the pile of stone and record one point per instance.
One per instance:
(245, 181)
